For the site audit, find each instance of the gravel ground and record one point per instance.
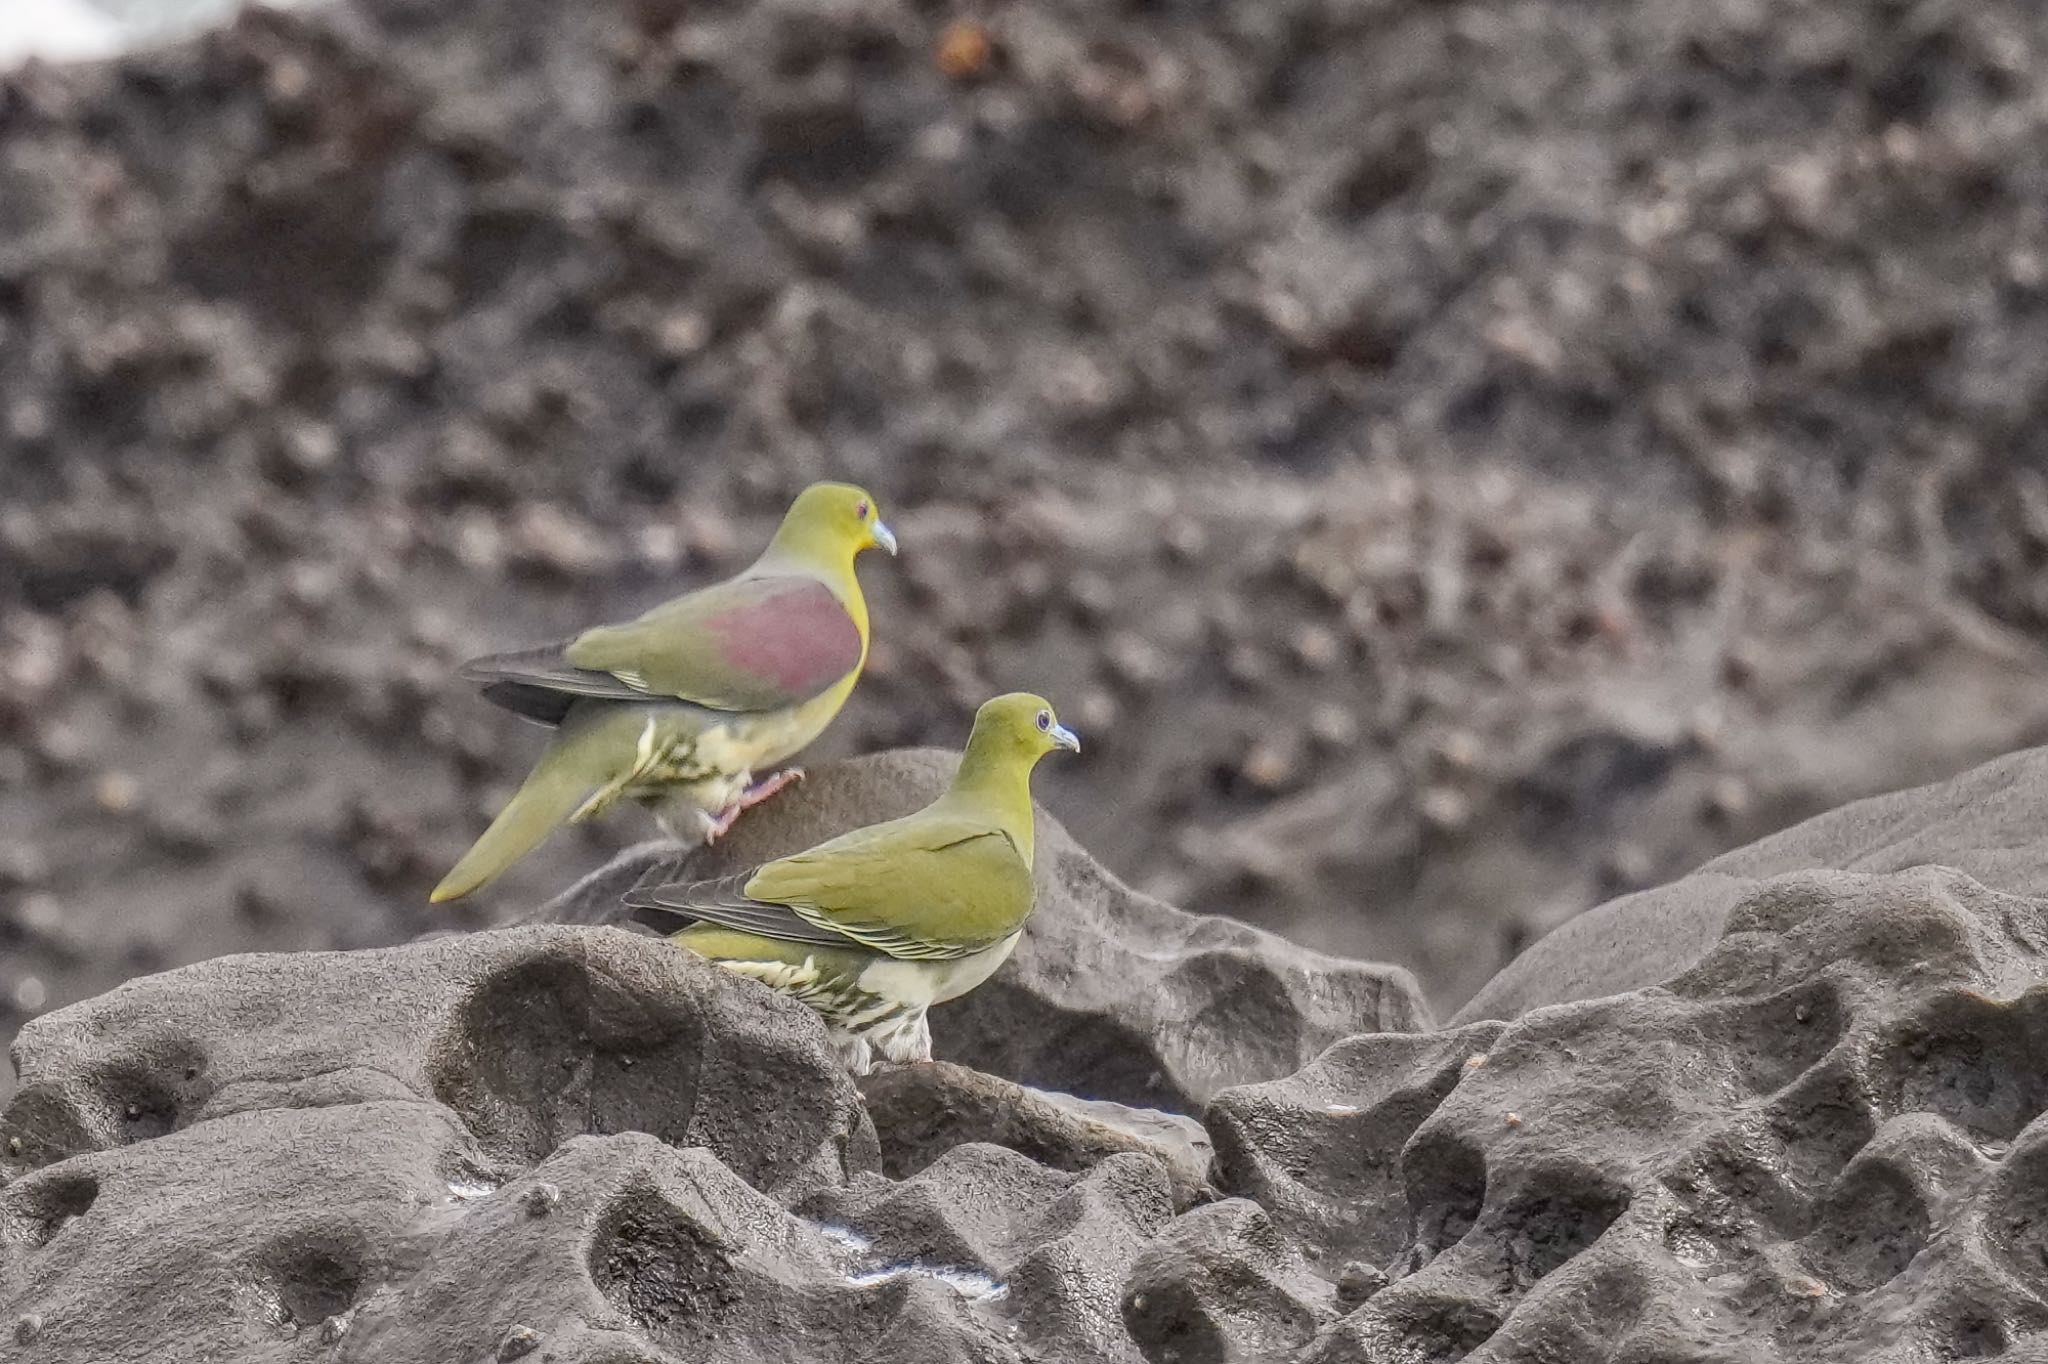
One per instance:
(1454, 463)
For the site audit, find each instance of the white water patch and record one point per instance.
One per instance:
(854, 1246)
(94, 30)
(57, 31)
(846, 1238)
(968, 1283)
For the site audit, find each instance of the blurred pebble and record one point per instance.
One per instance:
(311, 446)
(479, 544)
(379, 578)
(709, 538)
(437, 731)
(965, 50)
(311, 587)
(40, 915)
(1357, 1283)
(1092, 596)
(547, 538)
(1487, 548)
(1727, 799)
(519, 1342)
(28, 421)
(61, 745)
(255, 716)
(659, 545)
(1031, 580)
(682, 333)
(30, 995)
(1096, 714)
(885, 660)
(1444, 809)
(1628, 864)
(1133, 661)
(257, 905)
(1332, 726)
(1316, 647)
(1184, 540)
(1246, 665)
(1270, 766)
(22, 865)
(227, 673)
(1459, 750)
(185, 831)
(35, 660)
(1738, 669)
(1362, 618)
(1704, 728)
(116, 792)
(429, 628)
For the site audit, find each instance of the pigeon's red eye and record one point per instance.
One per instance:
(861, 510)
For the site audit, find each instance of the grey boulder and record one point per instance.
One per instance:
(1822, 1142)
(1985, 822)
(1111, 994)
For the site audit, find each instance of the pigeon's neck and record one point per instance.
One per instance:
(801, 555)
(796, 557)
(996, 787)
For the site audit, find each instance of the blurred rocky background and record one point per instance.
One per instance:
(1455, 463)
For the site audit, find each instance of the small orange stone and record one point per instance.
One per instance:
(964, 49)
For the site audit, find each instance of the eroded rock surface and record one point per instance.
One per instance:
(1111, 995)
(1986, 822)
(254, 1157)
(922, 1112)
(1823, 1140)
(526, 1037)
(1051, 1247)
(1821, 1143)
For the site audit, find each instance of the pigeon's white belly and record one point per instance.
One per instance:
(923, 983)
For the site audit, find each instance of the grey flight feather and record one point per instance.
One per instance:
(541, 684)
(675, 906)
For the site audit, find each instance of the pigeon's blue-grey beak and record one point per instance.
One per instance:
(1065, 738)
(882, 537)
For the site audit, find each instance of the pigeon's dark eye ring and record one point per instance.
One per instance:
(861, 509)
(1045, 719)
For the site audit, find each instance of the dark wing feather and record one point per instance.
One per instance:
(541, 684)
(676, 905)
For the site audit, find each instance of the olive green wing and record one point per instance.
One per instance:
(928, 886)
(751, 644)
(919, 888)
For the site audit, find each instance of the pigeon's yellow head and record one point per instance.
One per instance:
(1020, 725)
(829, 524)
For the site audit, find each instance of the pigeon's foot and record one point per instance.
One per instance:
(717, 826)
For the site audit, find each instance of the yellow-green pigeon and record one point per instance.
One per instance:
(681, 707)
(874, 927)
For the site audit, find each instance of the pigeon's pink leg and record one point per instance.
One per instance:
(752, 796)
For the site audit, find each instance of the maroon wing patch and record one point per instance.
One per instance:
(791, 634)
